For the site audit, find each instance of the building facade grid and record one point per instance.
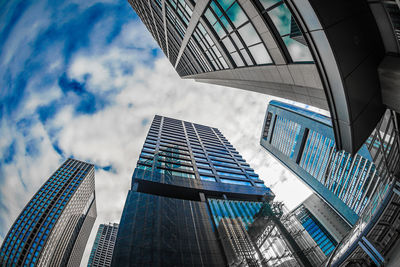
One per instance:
(103, 245)
(46, 230)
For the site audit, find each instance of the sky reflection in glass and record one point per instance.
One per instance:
(288, 29)
(237, 33)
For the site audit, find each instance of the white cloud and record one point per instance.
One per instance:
(114, 136)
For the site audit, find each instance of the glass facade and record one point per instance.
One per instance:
(54, 220)
(233, 209)
(191, 150)
(304, 141)
(236, 33)
(225, 36)
(103, 245)
(168, 218)
(314, 228)
(203, 40)
(276, 12)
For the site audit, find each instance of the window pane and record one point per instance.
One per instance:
(246, 57)
(216, 51)
(228, 44)
(236, 14)
(219, 30)
(216, 9)
(237, 59)
(209, 40)
(225, 3)
(249, 34)
(207, 178)
(260, 54)
(267, 3)
(210, 17)
(236, 40)
(226, 168)
(199, 164)
(297, 50)
(205, 170)
(227, 181)
(236, 175)
(226, 24)
(281, 18)
(223, 63)
(202, 29)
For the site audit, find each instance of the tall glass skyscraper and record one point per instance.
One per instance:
(304, 142)
(53, 228)
(185, 175)
(103, 245)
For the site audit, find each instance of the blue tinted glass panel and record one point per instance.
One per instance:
(207, 178)
(228, 181)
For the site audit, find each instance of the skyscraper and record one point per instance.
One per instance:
(103, 245)
(306, 51)
(304, 142)
(184, 172)
(53, 228)
(322, 223)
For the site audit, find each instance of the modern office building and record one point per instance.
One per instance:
(340, 56)
(322, 223)
(185, 173)
(103, 245)
(304, 142)
(282, 240)
(53, 228)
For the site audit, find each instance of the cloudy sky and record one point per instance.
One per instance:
(84, 79)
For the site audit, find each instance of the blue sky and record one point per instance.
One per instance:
(84, 79)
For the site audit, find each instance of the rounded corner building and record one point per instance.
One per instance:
(341, 56)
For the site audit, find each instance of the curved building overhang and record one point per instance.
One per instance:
(347, 49)
(339, 72)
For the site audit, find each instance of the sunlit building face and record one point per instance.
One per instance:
(303, 141)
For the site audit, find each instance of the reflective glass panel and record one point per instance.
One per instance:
(226, 24)
(297, 50)
(225, 3)
(207, 178)
(236, 14)
(249, 34)
(268, 3)
(260, 54)
(237, 59)
(228, 181)
(216, 9)
(228, 44)
(281, 18)
(236, 40)
(219, 30)
(210, 17)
